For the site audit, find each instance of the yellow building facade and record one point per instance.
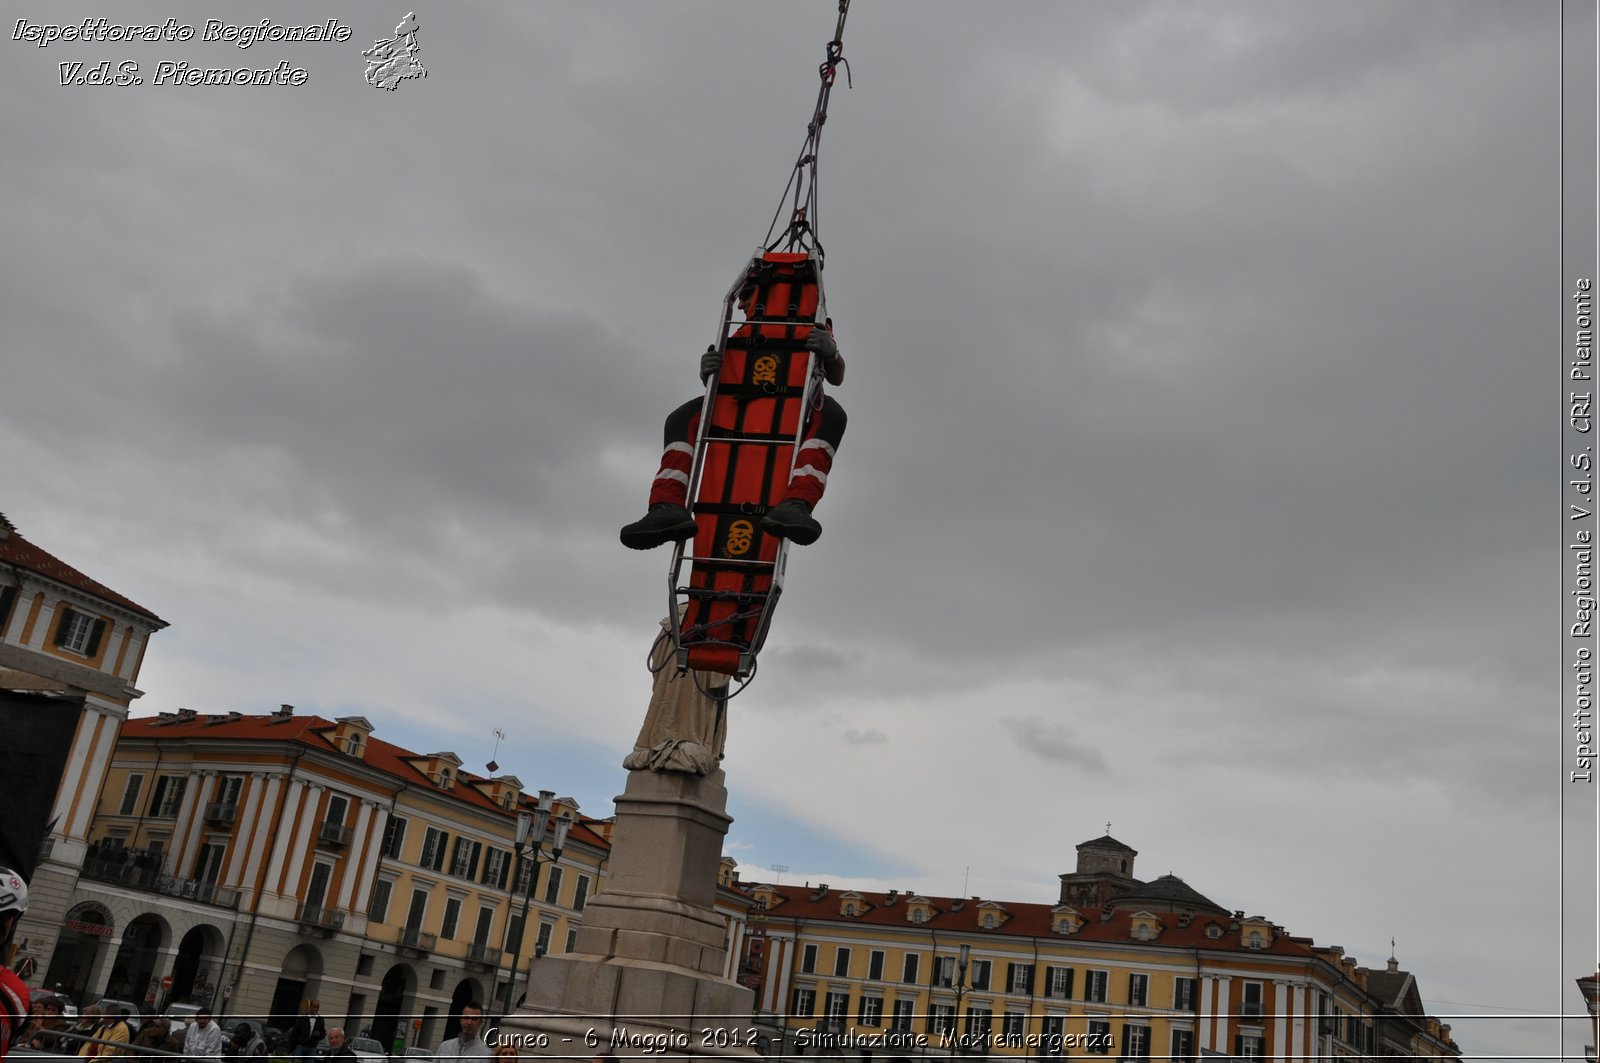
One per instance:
(1117, 967)
(256, 861)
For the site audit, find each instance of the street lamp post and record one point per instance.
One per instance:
(530, 827)
(559, 842)
(964, 958)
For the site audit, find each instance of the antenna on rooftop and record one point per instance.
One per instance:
(494, 765)
(778, 869)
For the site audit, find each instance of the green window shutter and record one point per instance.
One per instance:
(95, 635)
(62, 625)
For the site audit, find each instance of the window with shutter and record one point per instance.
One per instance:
(130, 796)
(378, 910)
(1183, 993)
(452, 917)
(79, 632)
(1054, 1031)
(433, 843)
(1019, 978)
(580, 894)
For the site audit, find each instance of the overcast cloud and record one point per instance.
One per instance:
(1200, 473)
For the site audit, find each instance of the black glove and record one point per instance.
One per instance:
(710, 364)
(820, 342)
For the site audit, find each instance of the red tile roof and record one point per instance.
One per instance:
(15, 549)
(314, 732)
(1026, 920)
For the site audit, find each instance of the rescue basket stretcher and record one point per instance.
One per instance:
(752, 420)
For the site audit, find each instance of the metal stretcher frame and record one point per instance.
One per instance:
(752, 421)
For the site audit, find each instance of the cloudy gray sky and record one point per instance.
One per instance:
(1202, 474)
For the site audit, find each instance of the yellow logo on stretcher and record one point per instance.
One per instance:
(740, 535)
(766, 370)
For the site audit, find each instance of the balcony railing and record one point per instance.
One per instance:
(222, 812)
(484, 955)
(321, 919)
(153, 880)
(414, 940)
(334, 835)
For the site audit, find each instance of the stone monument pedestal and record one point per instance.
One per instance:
(645, 975)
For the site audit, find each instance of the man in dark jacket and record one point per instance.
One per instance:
(309, 1031)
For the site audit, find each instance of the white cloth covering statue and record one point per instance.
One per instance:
(684, 729)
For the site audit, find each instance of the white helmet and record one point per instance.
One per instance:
(13, 892)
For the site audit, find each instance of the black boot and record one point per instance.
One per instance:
(791, 519)
(666, 522)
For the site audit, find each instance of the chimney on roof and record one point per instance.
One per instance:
(1394, 965)
(283, 713)
(186, 715)
(820, 892)
(891, 897)
(958, 904)
(1184, 919)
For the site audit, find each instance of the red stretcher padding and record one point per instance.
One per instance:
(761, 393)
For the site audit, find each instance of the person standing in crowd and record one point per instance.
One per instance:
(107, 1037)
(469, 1043)
(153, 1034)
(43, 1034)
(89, 1019)
(309, 1031)
(203, 1039)
(338, 1047)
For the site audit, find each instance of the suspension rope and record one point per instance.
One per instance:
(803, 178)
